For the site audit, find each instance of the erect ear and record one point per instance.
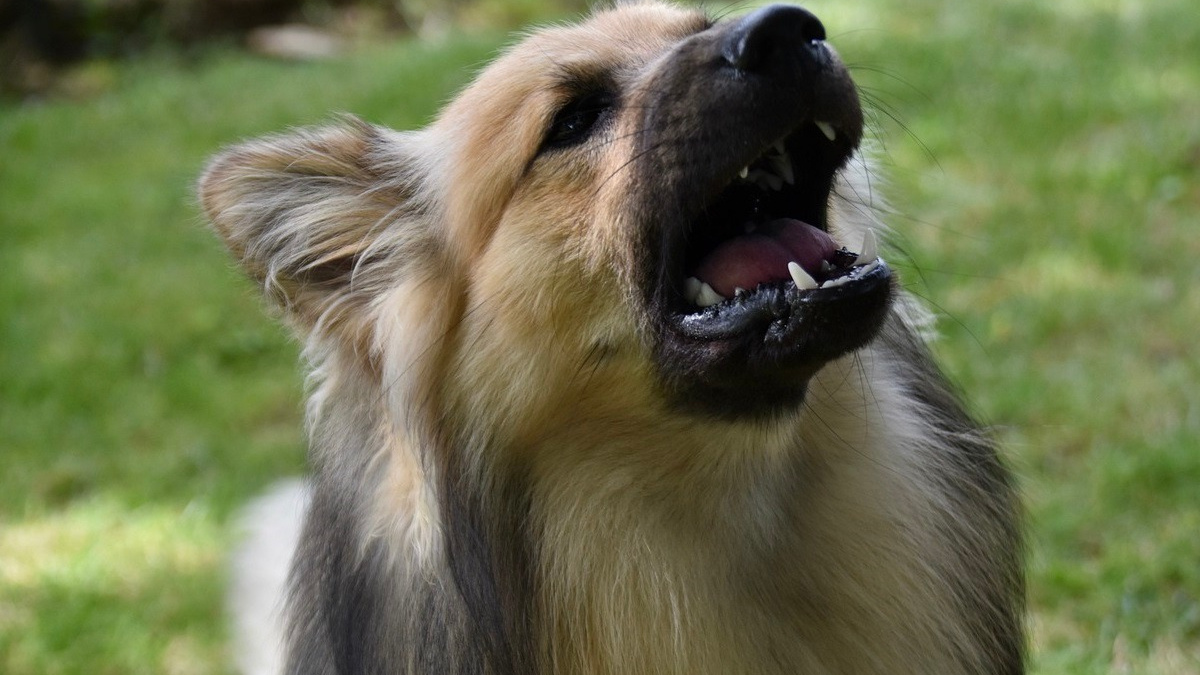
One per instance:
(304, 212)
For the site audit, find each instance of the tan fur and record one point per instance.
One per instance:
(443, 276)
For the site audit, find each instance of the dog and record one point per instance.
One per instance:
(609, 376)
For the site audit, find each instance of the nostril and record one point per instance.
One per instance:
(759, 35)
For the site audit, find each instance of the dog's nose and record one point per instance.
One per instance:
(762, 34)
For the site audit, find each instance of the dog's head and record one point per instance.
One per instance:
(648, 206)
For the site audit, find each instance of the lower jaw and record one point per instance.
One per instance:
(780, 311)
(754, 356)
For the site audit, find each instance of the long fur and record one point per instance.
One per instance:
(498, 483)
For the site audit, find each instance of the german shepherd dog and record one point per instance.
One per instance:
(610, 378)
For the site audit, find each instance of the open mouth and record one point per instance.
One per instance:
(760, 256)
(745, 134)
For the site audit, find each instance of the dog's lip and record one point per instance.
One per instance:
(779, 308)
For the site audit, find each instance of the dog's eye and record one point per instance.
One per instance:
(576, 120)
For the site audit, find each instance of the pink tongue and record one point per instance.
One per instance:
(752, 259)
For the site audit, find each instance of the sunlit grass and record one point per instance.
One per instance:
(104, 588)
(144, 392)
(1044, 160)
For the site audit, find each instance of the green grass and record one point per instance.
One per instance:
(1045, 165)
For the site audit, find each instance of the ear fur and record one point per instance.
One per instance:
(306, 212)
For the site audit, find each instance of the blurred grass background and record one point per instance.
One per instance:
(1044, 159)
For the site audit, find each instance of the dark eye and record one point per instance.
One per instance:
(576, 120)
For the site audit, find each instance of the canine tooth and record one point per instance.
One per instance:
(826, 267)
(801, 278)
(708, 297)
(827, 129)
(739, 292)
(691, 289)
(744, 172)
(869, 250)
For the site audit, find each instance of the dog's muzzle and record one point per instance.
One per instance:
(746, 128)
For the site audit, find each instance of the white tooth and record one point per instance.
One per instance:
(834, 283)
(739, 292)
(691, 289)
(826, 129)
(744, 172)
(826, 268)
(869, 250)
(708, 296)
(869, 267)
(800, 277)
